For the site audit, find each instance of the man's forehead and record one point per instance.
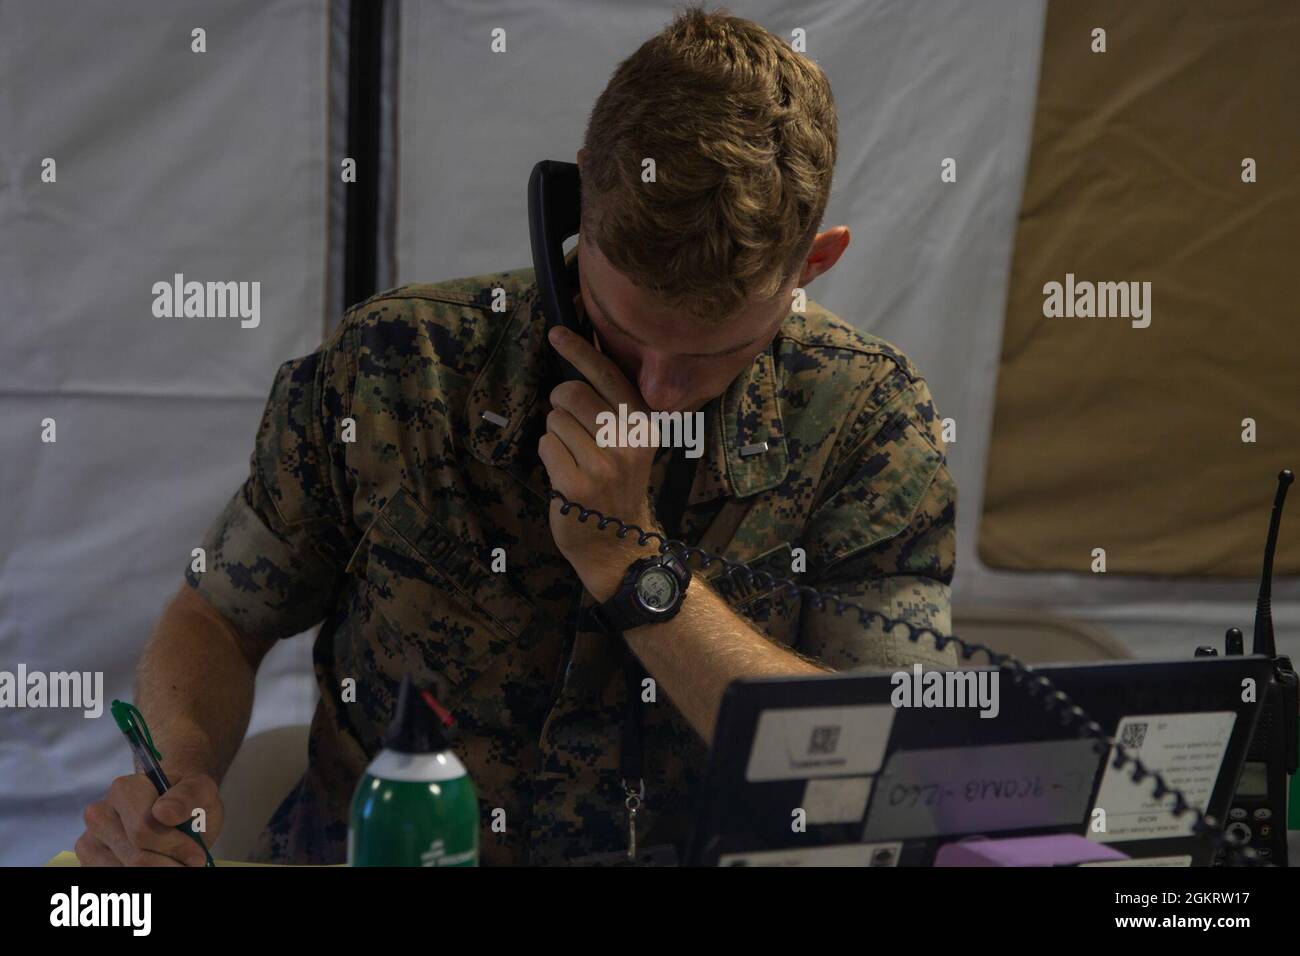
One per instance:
(634, 313)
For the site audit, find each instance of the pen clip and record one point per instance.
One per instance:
(129, 719)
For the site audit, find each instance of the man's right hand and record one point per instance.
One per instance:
(134, 826)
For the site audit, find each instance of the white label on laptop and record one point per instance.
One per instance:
(836, 799)
(803, 742)
(1146, 861)
(847, 854)
(990, 789)
(1188, 751)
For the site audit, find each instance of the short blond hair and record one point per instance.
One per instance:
(743, 133)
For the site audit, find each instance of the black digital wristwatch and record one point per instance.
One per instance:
(652, 591)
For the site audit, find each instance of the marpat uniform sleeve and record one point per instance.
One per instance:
(276, 551)
(886, 539)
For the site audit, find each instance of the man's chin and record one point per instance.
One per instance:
(687, 409)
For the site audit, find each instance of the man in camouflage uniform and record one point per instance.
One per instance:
(391, 540)
(398, 492)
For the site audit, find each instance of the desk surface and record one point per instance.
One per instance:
(68, 858)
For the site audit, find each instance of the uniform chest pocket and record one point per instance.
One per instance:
(434, 607)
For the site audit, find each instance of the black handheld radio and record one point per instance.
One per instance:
(1258, 812)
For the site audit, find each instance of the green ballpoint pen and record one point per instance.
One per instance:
(131, 722)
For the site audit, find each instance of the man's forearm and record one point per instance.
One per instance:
(703, 649)
(194, 684)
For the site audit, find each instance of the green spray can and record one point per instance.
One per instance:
(415, 804)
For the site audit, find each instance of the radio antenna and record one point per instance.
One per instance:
(1263, 642)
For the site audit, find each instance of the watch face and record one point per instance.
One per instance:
(657, 589)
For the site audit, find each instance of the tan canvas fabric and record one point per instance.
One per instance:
(1112, 436)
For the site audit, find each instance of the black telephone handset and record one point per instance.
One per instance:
(554, 214)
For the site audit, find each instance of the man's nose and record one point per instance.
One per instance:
(664, 382)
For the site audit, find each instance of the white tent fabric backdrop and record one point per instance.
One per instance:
(168, 161)
(216, 166)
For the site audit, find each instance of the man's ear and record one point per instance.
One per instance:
(827, 247)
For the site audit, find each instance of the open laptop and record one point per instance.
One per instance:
(829, 771)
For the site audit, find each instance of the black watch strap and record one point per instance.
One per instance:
(623, 611)
(619, 613)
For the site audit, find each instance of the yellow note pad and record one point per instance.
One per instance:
(68, 858)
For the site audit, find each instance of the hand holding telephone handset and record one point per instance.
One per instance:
(554, 191)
